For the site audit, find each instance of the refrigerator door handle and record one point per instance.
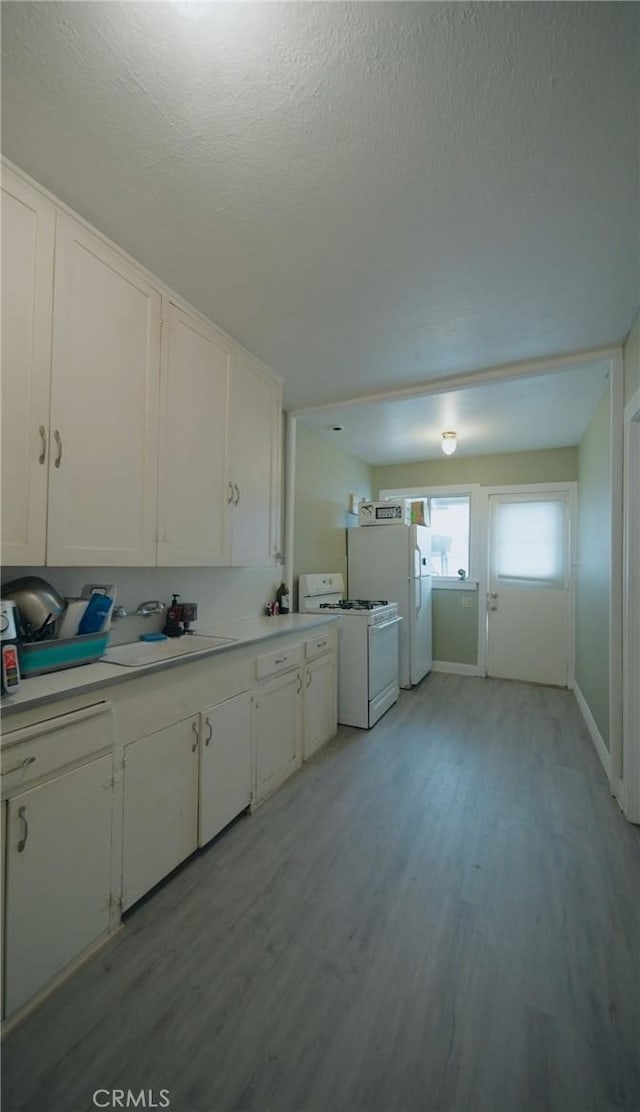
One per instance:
(419, 606)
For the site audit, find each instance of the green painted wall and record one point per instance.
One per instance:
(555, 466)
(631, 354)
(325, 477)
(594, 567)
(455, 627)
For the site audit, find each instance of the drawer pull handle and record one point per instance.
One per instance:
(58, 440)
(17, 768)
(309, 678)
(320, 644)
(194, 727)
(281, 659)
(43, 439)
(299, 684)
(210, 734)
(22, 814)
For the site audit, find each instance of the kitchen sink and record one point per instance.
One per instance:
(138, 653)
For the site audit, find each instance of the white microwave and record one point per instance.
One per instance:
(384, 513)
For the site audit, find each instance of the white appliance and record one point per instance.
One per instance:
(397, 563)
(384, 513)
(368, 647)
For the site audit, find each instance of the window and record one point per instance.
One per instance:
(456, 524)
(529, 540)
(450, 530)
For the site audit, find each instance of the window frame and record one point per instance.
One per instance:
(472, 491)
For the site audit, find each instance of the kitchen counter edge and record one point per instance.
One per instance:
(41, 690)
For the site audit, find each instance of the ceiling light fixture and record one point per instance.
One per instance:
(449, 443)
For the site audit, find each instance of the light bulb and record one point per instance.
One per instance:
(449, 443)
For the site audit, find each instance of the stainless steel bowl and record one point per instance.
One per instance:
(39, 604)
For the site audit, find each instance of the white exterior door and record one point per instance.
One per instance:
(528, 598)
(58, 876)
(104, 406)
(195, 492)
(225, 764)
(28, 224)
(160, 806)
(255, 463)
(631, 611)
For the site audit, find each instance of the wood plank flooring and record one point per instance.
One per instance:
(442, 913)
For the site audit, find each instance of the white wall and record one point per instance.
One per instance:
(220, 593)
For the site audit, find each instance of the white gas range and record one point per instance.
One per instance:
(369, 647)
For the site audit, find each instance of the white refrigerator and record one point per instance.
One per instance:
(393, 562)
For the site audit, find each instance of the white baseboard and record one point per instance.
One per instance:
(456, 669)
(592, 726)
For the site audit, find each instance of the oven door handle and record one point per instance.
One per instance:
(384, 625)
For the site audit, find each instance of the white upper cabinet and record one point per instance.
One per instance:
(28, 223)
(219, 451)
(194, 525)
(104, 406)
(256, 416)
(134, 433)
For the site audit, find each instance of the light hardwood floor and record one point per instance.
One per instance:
(440, 914)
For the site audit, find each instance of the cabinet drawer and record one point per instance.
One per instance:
(46, 747)
(316, 646)
(269, 664)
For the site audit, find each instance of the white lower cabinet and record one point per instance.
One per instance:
(57, 876)
(320, 703)
(81, 840)
(277, 731)
(225, 764)
(160, 806)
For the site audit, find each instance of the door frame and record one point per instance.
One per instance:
(570, 489)
(630, 770)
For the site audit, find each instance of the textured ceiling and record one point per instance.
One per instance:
(367, 195)
(526, 414)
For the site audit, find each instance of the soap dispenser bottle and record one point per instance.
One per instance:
(173, 623)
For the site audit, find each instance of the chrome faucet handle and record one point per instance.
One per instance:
(151, 606)
(119, 612)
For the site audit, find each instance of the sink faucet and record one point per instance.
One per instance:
(143, 610)
(152, 606)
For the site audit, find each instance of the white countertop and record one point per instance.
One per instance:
(39, 690)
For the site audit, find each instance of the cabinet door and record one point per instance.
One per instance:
(28, 223)
(320, 708)
(160, 806)
(256, 439)
(104, 406)
(277, 731)
(195, 494)
(58, 876)
(225, 765)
